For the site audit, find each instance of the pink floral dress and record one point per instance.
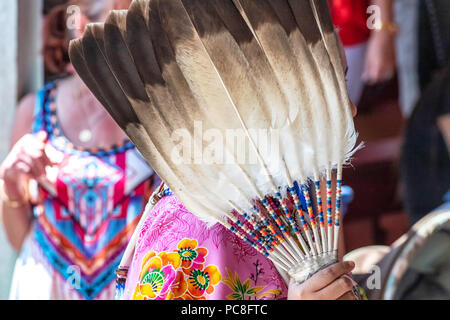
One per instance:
(179, 257)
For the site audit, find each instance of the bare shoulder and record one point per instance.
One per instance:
(24, 118)
(26, 105)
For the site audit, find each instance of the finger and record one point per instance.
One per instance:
(336, 289)
(39, 152)
(39, 159)
(47, 153)
(348, 296)
(298, 291)
(37, 166)
(23, 167)
(31, 146)
(36, 148)
(33, 151)
(326, 276)
(46, 160)
(54, 156)
(42, 136)
(26, 158)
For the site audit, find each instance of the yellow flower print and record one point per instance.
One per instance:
(203, 281)
(191, 256)
(179, 287)
(178, 275)
(157, 276)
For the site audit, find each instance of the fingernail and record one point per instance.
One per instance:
(350, 264)
(42, 135)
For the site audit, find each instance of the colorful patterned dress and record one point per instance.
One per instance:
(179, 256)
(83, 220)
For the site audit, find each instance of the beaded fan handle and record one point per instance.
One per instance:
(291, 238)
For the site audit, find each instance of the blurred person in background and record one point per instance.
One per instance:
(368, 37)
(407, 49)
(422, 46)
(434, 40)
(370, 51)
(73, 186)
(426, 150)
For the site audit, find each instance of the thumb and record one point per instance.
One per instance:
(54, 156)
(42, 136)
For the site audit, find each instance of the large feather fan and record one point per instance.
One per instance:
(230, 102)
